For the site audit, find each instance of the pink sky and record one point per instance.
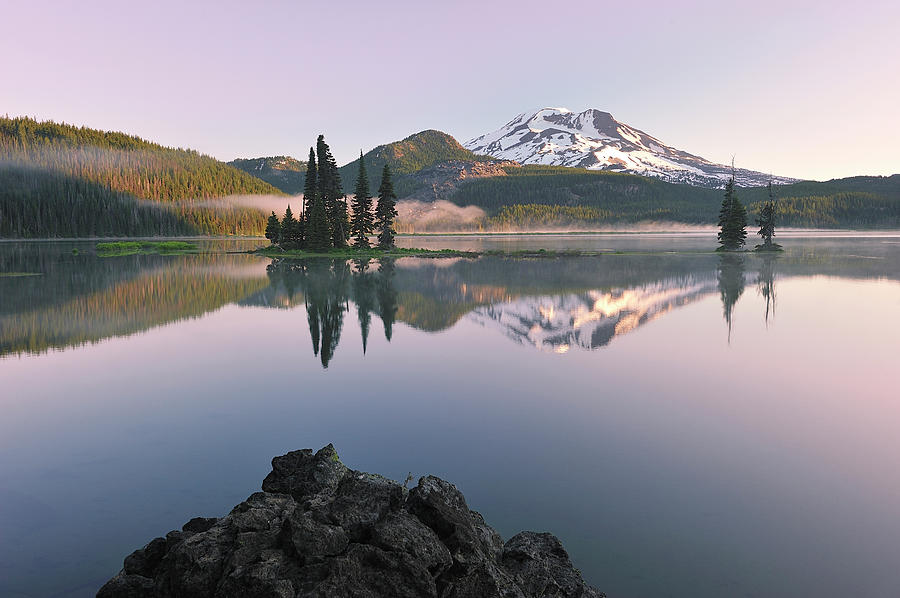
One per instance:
(805, 89)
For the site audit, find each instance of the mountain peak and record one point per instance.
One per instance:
(593, 139)
(559, 110)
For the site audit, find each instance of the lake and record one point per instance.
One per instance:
(687, 423)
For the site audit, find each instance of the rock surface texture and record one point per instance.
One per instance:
(321, 529)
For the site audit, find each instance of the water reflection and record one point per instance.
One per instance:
(552, 304)
(328, 287)
(765, 282)
(386, 297)
(103, 446)
(77, 299)
(730, 275)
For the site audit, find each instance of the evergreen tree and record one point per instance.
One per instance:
(300, 231)
(332, 194)
(310, 188)
(318, 236)
(766, 223)
(290, 231)
(341, 231)
(362, 225)
(732, 220)
(273, 229)
(386, 209)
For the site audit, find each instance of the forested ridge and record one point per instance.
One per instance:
(410, 155)
(284, 172)
(546, 196)
(58, 180)
(404, 157)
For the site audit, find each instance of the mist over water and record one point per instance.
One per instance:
(687, 423)
(445, 217)
(265, 203)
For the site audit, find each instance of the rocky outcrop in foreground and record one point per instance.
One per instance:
(321, 529)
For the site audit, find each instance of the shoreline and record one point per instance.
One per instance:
(786, 232)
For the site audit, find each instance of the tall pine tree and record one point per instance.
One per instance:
(732, 220)
(273, 229)
(766, 223)
(310, 187)
(332, 194)
(362, 224)
(290, 231)
(318, 235)
(386, 210)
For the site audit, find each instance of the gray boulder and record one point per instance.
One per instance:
(321, 529)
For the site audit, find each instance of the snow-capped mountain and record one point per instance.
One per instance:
(595, 140)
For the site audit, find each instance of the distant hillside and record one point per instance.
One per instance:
(853, 202)
(61, 180)
(411, 156)
(416, 152)
(553, 196)
(284, 172)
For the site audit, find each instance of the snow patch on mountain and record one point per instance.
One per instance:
(593, 139)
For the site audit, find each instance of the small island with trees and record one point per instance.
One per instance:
(733, 221)
(325, 225)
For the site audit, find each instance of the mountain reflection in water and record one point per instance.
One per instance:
(663, 455)
(552, 304)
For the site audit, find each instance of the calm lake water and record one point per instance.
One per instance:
(688, 424)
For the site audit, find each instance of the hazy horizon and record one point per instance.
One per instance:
(799, 89)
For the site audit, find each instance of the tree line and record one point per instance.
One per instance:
(325, 221)
(122, 162)
(57, 180)
(38, 203)
(610, 198)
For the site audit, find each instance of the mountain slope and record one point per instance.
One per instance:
(284, 172)
(422, 164)
(123, 162)
(61, 180)
(596, 141)
(408, 156)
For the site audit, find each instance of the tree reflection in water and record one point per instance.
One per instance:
(765, 283)
(328, 286)
(730, 275)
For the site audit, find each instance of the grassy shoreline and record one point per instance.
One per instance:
(117, 248)
(353, 253)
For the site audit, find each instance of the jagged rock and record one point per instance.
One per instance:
(321, 529)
